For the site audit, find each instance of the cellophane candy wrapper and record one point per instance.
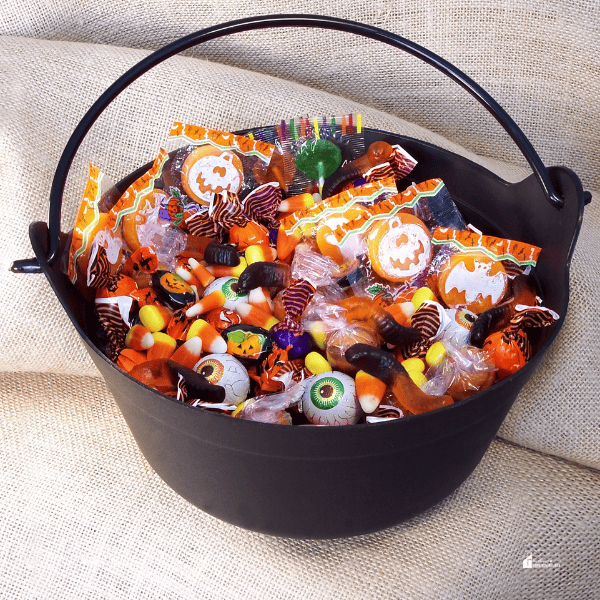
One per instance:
(465, 371)
(90, 232)
(273, 408)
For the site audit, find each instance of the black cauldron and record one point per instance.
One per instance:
(324, 482)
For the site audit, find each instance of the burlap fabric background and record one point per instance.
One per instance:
(83, 514)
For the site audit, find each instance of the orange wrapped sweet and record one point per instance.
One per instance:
(399, 248)
(473, 280)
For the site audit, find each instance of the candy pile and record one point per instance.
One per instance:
(295, 276)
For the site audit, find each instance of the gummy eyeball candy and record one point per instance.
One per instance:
(229, 373)
(227, 285)
(330, 399)
(458, 329)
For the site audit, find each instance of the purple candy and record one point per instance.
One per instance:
(273, 233)
(300, 344)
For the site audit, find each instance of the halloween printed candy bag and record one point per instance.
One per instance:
(473, 270)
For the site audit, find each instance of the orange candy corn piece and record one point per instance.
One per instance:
(369, 391)
(298, 202)
(139, 338)
(225, 271)
(252, 315)
(155, 316)
(260, 253)
(261, 298)
(201, 273)
(164, 346)
(215, 299)
(189, 353)
(212, 341)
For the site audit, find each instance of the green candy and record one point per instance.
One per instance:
(318, 158)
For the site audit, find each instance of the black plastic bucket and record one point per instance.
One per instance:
(321, 482)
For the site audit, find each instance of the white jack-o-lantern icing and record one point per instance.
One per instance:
(208, 171)
(399, 248)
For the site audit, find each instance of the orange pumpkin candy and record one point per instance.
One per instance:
(247, 342)
(508, 351)
(399, 248)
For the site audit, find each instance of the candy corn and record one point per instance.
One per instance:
(139, 338)
(436, 354)
(369, 391)
(318, 332)
(163, 347)
(402, 312)
(186, 274)
(287, 243)
(215, 299)
(189, 353)
(251, 315)
(201, 273)
(261, 298)
(155, 316)
(212, 342)
(299, 202)
(422, 294)
(225, 271)
(260, 253)
(414, 364)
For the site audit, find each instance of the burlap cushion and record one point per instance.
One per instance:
(538, 59)
(46, 89)
(84, 516)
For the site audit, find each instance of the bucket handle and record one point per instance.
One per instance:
(263, 22)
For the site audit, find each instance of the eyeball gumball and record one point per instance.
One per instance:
(330, 399)
(227, 285)
(458, 330)
(229, 373)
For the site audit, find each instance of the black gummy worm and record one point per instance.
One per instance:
(375, 362)
(221, 254)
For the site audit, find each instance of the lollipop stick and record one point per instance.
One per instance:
(321, 169)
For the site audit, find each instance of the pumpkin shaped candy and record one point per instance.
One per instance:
(248, 343)
(399, 248)
(510, 349)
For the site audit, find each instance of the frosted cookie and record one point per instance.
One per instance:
(208, 170)
(472, 280)
(399, 248)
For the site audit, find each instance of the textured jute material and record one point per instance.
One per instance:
(46, 88)
(539, 59)
(82, 515)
